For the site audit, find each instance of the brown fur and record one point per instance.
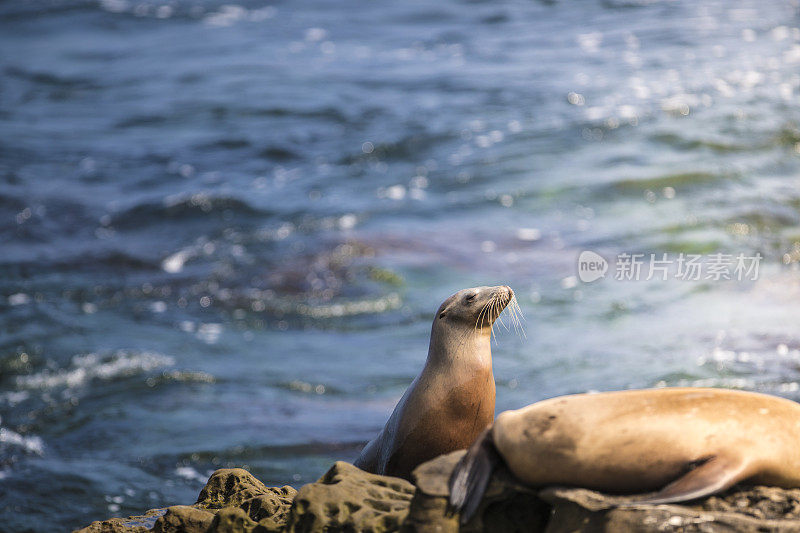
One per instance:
(452, 400)
(684, 443)
(635, 441)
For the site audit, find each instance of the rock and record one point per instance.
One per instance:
(349, 499)
(233, 500)
(230, 487)
(759, 502)
(182, 518)
(507, 505)
(233, 520)
(586, 510)
(237, 488)
(270, 510)
(132, 524)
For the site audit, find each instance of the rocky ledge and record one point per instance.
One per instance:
(348, 499)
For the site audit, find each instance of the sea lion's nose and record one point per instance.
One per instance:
(504, 290)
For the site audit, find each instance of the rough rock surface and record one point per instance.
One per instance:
(585, 510)
(506, 506)
(348, 499)
(233, 500)
(183, 518)
(132, 524)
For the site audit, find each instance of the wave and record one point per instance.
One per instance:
(84, 368)
(183, 207)
(410, 147)
(75, 258)
(29, 444)
(34, 10)
(336, 310)
(682, 179)
(52, 80)
(299, 449)
(199, 111)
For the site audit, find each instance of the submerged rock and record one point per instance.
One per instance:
(349, 499)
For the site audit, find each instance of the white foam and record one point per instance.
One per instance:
(115, 6)
(174, 263)
(529, 234)
(87, 367)
(209, 333)
(12, 398)
(31, 444)
(19, 298)
(230, 14)
(190, 474)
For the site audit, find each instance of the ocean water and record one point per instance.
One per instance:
(226, 226)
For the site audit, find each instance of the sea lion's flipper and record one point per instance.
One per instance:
(368, 458)
(471, 475)
(712, 475)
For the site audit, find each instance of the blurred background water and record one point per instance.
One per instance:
(226, 227)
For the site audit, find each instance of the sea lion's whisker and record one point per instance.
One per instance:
(491, 325)
(515, 312)
(482, 315)
(514, 318)
(489, 313)
(500, 319)
(519, 309)
(495, 316)
(492, 311)
(512, 309)
(500, 314)
(520, 317)
(478, 320)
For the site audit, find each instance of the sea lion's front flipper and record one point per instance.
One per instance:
(471, 475)
(713, 474)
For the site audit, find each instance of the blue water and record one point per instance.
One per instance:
(226, 227)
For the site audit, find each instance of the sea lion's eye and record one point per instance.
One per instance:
(471, 297)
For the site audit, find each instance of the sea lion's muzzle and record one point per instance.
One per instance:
(499, 297)
(503, 294)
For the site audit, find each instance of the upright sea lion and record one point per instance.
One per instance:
(452, 400)
(684, 443)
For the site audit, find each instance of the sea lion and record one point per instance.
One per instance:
(452, 400)
(684, 443)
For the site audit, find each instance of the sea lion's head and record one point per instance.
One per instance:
(476, 308)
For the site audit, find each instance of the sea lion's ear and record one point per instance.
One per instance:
(443, 314)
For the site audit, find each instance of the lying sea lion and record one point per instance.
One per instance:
(452, 400)
(684, 443)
